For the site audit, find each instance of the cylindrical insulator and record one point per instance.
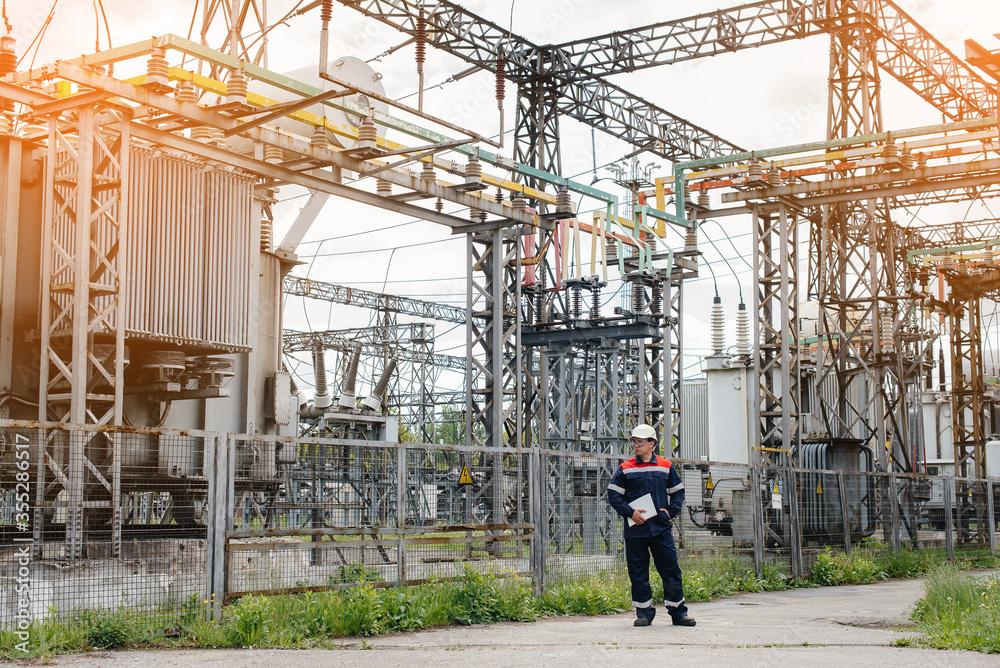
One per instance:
(595, 303)
(318, 139)
(427, 173)
(499, 196)
(656, 302)
(273, 154)
(755, 171)
(265, 233)
(540, 296)
(218, 137)
(890, 151)
(587, 403)
(374, 400)
(885, 325)
(5, 126)
(325, 11)
(8, 63)
(293, 388)
(501, 88)
(348, 392)
(988, 256)
(947, 262)
(961, 266)
(473, 170)
(742, 330)
(439, 205)
(236, 88)
(367, 133)
(577, 302)
(421, 41)
(564, 201)
(383, 187)
(202, 134)
(383, 382)
(691, 240)
(185, 92)
(704, 199)
(906, 159)
(774, 176)
(351, 376)
(157, 67)
(519, 203)
(611, 246)
(8, 54)
(638, 297)
(322, 397)
(718, 332)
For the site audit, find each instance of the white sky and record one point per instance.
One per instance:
(768, 97)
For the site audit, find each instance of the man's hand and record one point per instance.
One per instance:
(664, 511)
(638, 518)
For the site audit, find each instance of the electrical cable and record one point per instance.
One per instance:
(6, 21)
(36, 42)
(107, 29)
(379, 250)
(358, 234)
(97, 27)
(738, 284)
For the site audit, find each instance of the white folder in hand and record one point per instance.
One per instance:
(645, 505)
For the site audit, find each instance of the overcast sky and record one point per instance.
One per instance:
(772, 96)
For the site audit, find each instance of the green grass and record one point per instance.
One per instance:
(872, 561)
(319, 619)
(960, 611)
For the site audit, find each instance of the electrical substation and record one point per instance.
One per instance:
(165, 434)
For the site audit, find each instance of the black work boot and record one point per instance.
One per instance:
(684, 621)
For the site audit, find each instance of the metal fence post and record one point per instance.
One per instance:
(401, 513)
(844, 513)
(894, 511)
(991, 516)
(794, 529)
(219, 509)
(757, 501)
(536, 511)
(949, 529)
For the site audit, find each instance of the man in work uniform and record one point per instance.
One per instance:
(645, 474)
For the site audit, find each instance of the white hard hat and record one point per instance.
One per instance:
(644, 431)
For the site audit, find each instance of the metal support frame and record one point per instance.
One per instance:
(968, 406)
(494, 414)
(607, 430)
(776, 332)
(673, 378)
(10, 187)
(82, 333)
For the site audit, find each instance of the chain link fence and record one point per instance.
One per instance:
(151, 519)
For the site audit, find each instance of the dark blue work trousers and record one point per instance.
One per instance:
(661, 546)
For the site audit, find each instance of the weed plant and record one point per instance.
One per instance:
(317, 619)
(959, 611)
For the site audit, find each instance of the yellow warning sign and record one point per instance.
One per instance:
(709, 484)
(776, 490)
(819, 488)
(465, 478)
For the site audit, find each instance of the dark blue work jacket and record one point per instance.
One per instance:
(636, 478)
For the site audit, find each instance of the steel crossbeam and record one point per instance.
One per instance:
(376, 301)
